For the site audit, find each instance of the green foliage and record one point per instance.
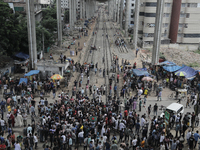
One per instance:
(67, 16)
(14, 33)
(195, 64)
(197, 51)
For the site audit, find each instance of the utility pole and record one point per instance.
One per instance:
(157, 32)
(31, 33)
(59, 24)
(127, 17)
(74, 8)
(136, 23)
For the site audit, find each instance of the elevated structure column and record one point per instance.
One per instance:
(74, 9)
(84, 9)
(81, 9)
(157, 32)
(121, 12)
(59, 24)
(127, 17)
(136, 23)
(31, 33)
(176, 8)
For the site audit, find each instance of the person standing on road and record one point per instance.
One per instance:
(159, 96)
(196, 137)
(155, 109)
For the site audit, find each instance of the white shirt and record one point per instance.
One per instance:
(121, 126)
(188, 135)
(5, 86)
(162, 137)
(104, 139)
(81, 134)
(17, 146)
(2, 123)
(142, 122)
(134, 142)
(35, 139)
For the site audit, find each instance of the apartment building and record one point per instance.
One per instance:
(20, 6)
(132, 12)
(64, 4)
(181, 22)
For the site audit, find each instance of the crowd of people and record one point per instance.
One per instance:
(81, 119)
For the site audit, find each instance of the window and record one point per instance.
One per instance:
(132, 22)
(186, 25)
(180, 35)
(140, 32)
(198, 5)
(182, 15)
(148, 34)
(180, 25)
(192, 4)
(166, 15)
(150, 14)
(132, 16)
(132, 5)
(192, 35)
(183, 5)
(149, 4)
(150, 25)
(187, 15)
(165, 25)
(132, 10)
(179, 110)
(141, 14)
(167, 4)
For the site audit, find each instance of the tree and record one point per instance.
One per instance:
(67, 16)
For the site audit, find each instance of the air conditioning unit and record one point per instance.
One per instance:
(179, 30)
(165, 30)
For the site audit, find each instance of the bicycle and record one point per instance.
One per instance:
(172, 95)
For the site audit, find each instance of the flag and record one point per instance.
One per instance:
(93, 118)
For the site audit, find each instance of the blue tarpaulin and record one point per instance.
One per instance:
(140, 72)
(172, 68)
(22, 55)
(190, 72)
(32, 72)
(23, 80)
(167, 63)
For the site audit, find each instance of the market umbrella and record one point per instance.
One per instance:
(181, 73)
(147, 79)
(56, 77)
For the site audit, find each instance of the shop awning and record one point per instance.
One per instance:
(140, 72)
(22, 55)
(32, 72)
(23, 80)
(172, 68)
(167, 63)
(190, 72)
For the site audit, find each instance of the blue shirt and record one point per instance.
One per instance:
(196, 136)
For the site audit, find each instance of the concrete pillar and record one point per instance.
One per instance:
(31, 33)
(74, 8)
(118, 11)
(114, 10)
(59, 23)
(157, 32)
(71, 14)
(81, 9)
(136, 23)
(121, 12)
(176, 8)
(127, 17)
(87, 9)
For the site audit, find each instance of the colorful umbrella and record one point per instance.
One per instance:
(181, 73)
(56, 77)
(147, 79)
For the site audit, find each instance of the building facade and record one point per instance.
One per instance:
(64, 4)
(181, 22)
